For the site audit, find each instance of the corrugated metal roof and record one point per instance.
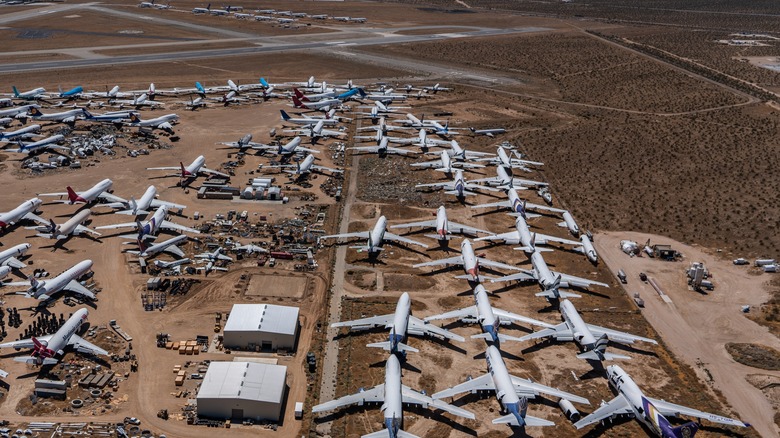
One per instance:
(263, 317)
(245, 380)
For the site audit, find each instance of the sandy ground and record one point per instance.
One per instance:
(696, 326)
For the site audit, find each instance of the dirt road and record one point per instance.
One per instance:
(696, 327)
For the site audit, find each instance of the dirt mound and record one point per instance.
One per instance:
(406, 282)
(754, 355)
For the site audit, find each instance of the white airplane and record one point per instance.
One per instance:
(490, 132)
(458, 186)
(168, 246)
(68, 117)
(26, 132)
(47, 348)
(211, 258)
(169, 265)
(18, 112)
(314, 97)
(306, 167)
(444, 227)
(488, 317)
(382, 149)
(549, 280)
(152, 226)
(37, 147)
(243, 143)
(195, 103)
(380, 110)
(375, 237)
(386, 96)
(321, 105)
(197, 167)
(98, 191)
(308, 120)
(504, 160)
(292, 147)
(392, 394)
(315, 131)
(587, 249)
(43, 290)
(457, 152)
(136, 101)
(25, 211)
(511, 391)
(470, 263)
(446, 165)
(414, 122)
(250, 249)
(401, 323)
(205, 10)
(506, 181)
(649, 411)
(143, 206)
(36, 93)
(523, 236)
(517, 205)
(568, 222)
(435, 88)
(9, 257)
(72, 227)
(113, 117)
(163, 122)
(591, 339)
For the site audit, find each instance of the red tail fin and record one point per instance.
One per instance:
(298, 93)
(37, 343)
(183, 170)
(297, 102)
(72, 195)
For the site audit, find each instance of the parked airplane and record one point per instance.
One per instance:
(503, 159)
(591, 339)
(163, 122)
(72, 93)
(10, 257)
(68, 117)
(144, 204)
(292, 147)
(170, 265)
(517, 205)
(446, 165)
(511, 391)
(47, 348)
(34, 94)
(491, 132)
(457, 152)
(18, 112)
(67, 281)
(470, 263)
(382, 149)
(331, 94)
(458, 186)
(114, 117)
(25, 211)
(401, 323)
(72, 227)
(392, 394)
(649, 411)
(168, 246)
(549, 280)
(316, 131)
(306, 167)
(137, 102)
(151, 227)
(211, 258)
(308, 120)
(250, 249)
(37, 147)
(321, 105)
(443, 226)
(436, 88)
(379, 109)
(205, 10)
(587, 249)
(26, 132)
(505, 181)
(193, 170)
(242, 144)
(523, 236)
(98, 191)
(488, 317)
(375, 237)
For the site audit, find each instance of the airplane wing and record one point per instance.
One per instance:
(175, 250)
(385, 320)
(74, 286)
(415, 224)
(456, 227)
(617, 406)
(578, 281)
(385, 433)
(156, 203)
(115, 226)
(159, 168)
(111, 198)
(428, 164)
(82, 229)
(503, 314)
(492, 204)
(397, 238)
(550, 330)
(530, 389)
(25, 343)
(492, 264)
(671, 409)
(361, 234)
(512, 235)
(481, 383)
(174, 226)
(411, 396)
(618, 336)
(373, 395)
(213, 172)
(467, 312)
(418, 326)
(457, 260)
(14, 263)
(82, 346)
(543, 238)
(318, 167)
(523, 275)
(55, 194)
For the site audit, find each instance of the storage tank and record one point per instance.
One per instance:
(248, 193)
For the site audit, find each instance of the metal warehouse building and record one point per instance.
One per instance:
(264, 325)
(241, 390)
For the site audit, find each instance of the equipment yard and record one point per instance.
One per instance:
(454, 206)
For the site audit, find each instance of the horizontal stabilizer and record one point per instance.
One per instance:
(384, 433)
(561, 294)
(594, 355)
(480, 278)
(527, 215)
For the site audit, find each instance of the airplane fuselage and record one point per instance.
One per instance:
(15, 251)
(544, 276)
(505, 390)
(487, 319)
(160, 247)
(377, 235)
(194, 167)
(573, 320)
(19, 212)
(442, 224)
(470, 261)
(69, 226)
(393, 404)
(59, 282)
(92, 193)
(60, 339)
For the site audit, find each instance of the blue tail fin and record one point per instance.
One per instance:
(16, 92)
(263, 82)
(200, 87)
(285, 116)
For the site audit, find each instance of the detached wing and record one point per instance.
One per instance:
(82, 346)
(418, 326)
(674, 410)
(397, 238)
(617, 406)
(411, 396)
(373, 395)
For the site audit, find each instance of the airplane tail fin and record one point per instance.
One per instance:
(361, 92)
(183, 170)
(52, 226)
(299, 94)
(16, 92)
(35, 112)
(134, 118)
(200, 88)
(285, 116)
(687, 430)
(72, 195)
(264, 83)
(297, 102)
